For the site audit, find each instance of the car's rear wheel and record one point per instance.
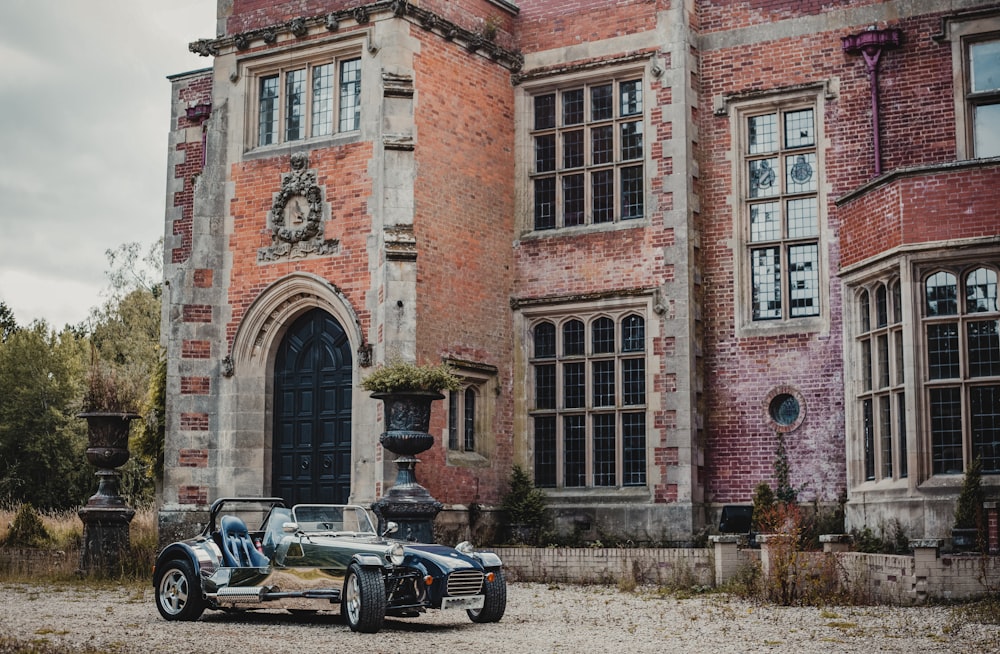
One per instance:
(178, 595)
(495, 602)
(363, 601)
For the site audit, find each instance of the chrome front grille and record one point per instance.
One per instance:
(465, 582)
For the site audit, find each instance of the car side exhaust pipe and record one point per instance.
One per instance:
(238, 594)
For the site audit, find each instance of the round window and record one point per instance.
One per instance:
(784, 409)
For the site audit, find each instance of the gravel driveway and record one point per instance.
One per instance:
(539, 618)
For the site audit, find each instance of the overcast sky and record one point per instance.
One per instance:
(84, 116)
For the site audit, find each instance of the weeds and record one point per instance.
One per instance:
(984, 611)
(55, 557)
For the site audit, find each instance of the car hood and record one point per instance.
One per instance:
(444, 557)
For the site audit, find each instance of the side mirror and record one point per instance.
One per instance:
(390, 528)
(290, 527)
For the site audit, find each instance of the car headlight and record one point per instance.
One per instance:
(465, 547)
(395, 554)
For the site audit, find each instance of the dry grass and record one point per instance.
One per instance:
(59, 559)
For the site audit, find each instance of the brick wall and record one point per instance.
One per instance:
(927, 576)
(343, 172)
(463, 224)
(255, 14)
(922, 206)
(742, 372)
(189, 91)
(544, 24)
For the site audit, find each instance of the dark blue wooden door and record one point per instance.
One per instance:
(312, 412)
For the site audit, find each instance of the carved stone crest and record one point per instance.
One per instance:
(296, 216)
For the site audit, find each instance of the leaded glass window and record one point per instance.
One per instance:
(589, 399)
(297, 103)
(962, 342)
(589, 151)
(470, 408)
(879, 375)
(780, 169)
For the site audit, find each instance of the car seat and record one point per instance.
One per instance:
(237, 549)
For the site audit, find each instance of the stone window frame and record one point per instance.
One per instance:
(586, 77)
(961, 32)
(740, 108)
(964, 382)
(255, 68)
(880, 396)
(482, 382)
(588, 313)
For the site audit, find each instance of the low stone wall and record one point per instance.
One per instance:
(663, 566)
(892, 579)
(23, 562)
(927, 575)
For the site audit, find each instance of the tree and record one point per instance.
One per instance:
(42, 374)
(41, 442)
(7, 323)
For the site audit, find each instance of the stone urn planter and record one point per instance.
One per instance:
(106, 518)
(407, 419)
(407, 392)
(107, 437)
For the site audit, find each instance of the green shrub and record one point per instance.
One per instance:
(27, 529)
(524, 505)
(763, 503)
(969, 508)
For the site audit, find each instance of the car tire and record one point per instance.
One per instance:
(178, 593)
(495, 602)
(363, 601)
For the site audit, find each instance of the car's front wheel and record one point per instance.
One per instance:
(363, 601)
(178, 595)
(495, 602)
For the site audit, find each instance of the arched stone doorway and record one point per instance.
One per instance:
(311, 448)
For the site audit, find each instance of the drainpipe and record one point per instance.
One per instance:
(870, 45)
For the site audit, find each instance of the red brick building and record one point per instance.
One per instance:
(651, 236)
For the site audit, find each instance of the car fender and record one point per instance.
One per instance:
(368, 560)
(173, 552)
(489, 559)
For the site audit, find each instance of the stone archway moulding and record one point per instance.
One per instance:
(263, 324)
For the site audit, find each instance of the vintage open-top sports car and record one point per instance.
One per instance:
(312, 555)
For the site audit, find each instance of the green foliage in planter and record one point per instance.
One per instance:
(523, 504)
(27, 529)
(399, 376)
(969, 508)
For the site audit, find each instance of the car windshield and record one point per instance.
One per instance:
(332, 518)
(253, 512)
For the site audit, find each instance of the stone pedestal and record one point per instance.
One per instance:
(409, 505)
(105, 539)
